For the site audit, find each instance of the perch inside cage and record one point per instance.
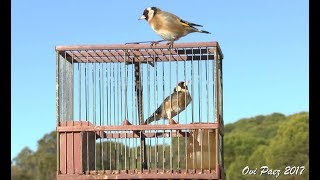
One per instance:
(140, 109)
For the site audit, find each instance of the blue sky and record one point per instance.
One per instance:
(265, 46)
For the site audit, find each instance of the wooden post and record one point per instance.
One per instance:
(139, 91)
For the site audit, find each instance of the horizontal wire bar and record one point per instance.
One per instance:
(138, 127)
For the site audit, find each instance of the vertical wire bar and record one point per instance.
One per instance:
(126, 87)
(101, 112)
(199, 86)
(216, 101)
(216, 105)
(221, 111)
(72, 110)
(117, 114)
(207, 84)
(72, 90)
(119, 85)
(125, 151)
(208, 107)
(114, 113)
(132, 108)
(58, 109)
(116, 155)
(94, 93)
(109, 102)
(163, 139)
(132, 157)
(64, 110)
(106, 87)
(148, 111)
(126, 107)
(110, 154)
(170, 111)
(192, 103)
(105, 109)
(87, 110)
(63, 88)
(87, 90)
(117, 118)
(109, 106)
(156, 153)
(108, 91)
(136, 140)
(221, 89)
(213, 87)
(73, 99)
(178, 144)
(155, 75)
(121, 92)
(213, 94)
(113, 165)
(129, 154)
(200, 105)
(185, 134)
(94, 114)
(114, 94)
(79, 69)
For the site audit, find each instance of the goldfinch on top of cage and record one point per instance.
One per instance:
(169, 26)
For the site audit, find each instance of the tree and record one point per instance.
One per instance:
(289, 148)
(29, 165)
(24, 164)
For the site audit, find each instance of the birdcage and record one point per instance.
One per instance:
(105, 93)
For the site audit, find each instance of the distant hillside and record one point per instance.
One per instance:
(275, 140)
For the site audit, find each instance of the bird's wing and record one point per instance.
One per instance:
(174, 17)
(188, 24)
(156, 115)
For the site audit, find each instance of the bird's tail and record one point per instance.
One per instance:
(154, 117)
(203, 31)
(199, 30)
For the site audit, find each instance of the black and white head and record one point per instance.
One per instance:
(182, 86)
(148, 13)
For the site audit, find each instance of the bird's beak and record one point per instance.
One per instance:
(142, 17)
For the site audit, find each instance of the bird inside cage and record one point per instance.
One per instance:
(173, 104)
(169, 26)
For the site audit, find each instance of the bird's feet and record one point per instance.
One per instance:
(153, 43)
(171, 121)
(170, 44)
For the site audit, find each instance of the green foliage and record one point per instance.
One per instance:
(275, 140)
(36, 165)
(290, 146)
(24, 167)
(113, 155)
(157, 155)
